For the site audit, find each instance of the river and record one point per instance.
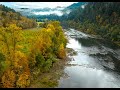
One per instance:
(96, 65)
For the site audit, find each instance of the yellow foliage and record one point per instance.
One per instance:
(50, 26)
(48, 41)
(21, 62)
(43, 41)
(10, 36)
(23, 80)
(61, 52)
(8, 79)
(19, 47)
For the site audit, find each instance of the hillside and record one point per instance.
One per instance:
(76, 5)
(8, 16)
(98, 18)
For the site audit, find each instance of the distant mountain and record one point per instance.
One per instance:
(47, 11)
(76, 5)
(24, 8)
(73, 7)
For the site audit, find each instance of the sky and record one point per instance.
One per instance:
(36, 4)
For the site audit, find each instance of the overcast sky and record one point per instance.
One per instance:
(36, 4)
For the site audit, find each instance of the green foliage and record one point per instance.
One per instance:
(48, 44)
(40, 60)
(2, 62)
(6, 9)
(48, 82)
(42, 48)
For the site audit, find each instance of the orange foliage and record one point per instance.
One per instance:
(8, 79)
(23, 80)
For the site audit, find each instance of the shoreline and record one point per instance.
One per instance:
(50, 79)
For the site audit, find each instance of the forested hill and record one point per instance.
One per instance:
(101, 18)
(76, 5)
(9, 16)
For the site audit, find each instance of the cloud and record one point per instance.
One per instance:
(37, 5)
(59, 13)
(83, 6)
(41, 4)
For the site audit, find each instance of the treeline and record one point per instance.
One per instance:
(98, 18)
(42, 18)
(10, 16)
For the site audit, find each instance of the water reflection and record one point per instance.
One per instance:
(88, 42)
(94, 65)
(82, 77)
(76, 44)
(97, 42)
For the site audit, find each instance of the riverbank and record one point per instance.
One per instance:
(50, 79)
(73, 71)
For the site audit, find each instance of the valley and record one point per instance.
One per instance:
(60, 45)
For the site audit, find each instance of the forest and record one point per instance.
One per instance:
(97, 18)
(34, 49)
(27, 53)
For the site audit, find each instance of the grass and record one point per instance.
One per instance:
(39, 22)
(29, 36)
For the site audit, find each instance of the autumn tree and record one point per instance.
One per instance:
(16, 62)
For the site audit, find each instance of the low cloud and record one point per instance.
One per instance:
(36, 5)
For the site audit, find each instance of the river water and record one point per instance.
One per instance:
(96, 65)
